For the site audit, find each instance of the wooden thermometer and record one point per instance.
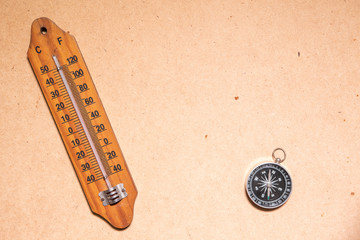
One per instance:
(82, 122)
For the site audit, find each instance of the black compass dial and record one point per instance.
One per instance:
(269, 185)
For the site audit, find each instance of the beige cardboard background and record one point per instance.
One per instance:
(168, 73)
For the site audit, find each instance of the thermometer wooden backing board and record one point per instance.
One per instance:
(82, 122)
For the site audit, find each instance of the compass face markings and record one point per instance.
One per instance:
(269, 185)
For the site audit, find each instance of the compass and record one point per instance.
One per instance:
(269, 184)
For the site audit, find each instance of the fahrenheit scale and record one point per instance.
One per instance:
(82, 122)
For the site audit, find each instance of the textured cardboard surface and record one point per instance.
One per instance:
(198, 93)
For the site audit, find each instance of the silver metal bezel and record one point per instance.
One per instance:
(248, 192)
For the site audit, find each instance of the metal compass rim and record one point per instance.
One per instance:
(248, 185)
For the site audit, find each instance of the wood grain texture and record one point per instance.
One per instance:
(48, 40)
